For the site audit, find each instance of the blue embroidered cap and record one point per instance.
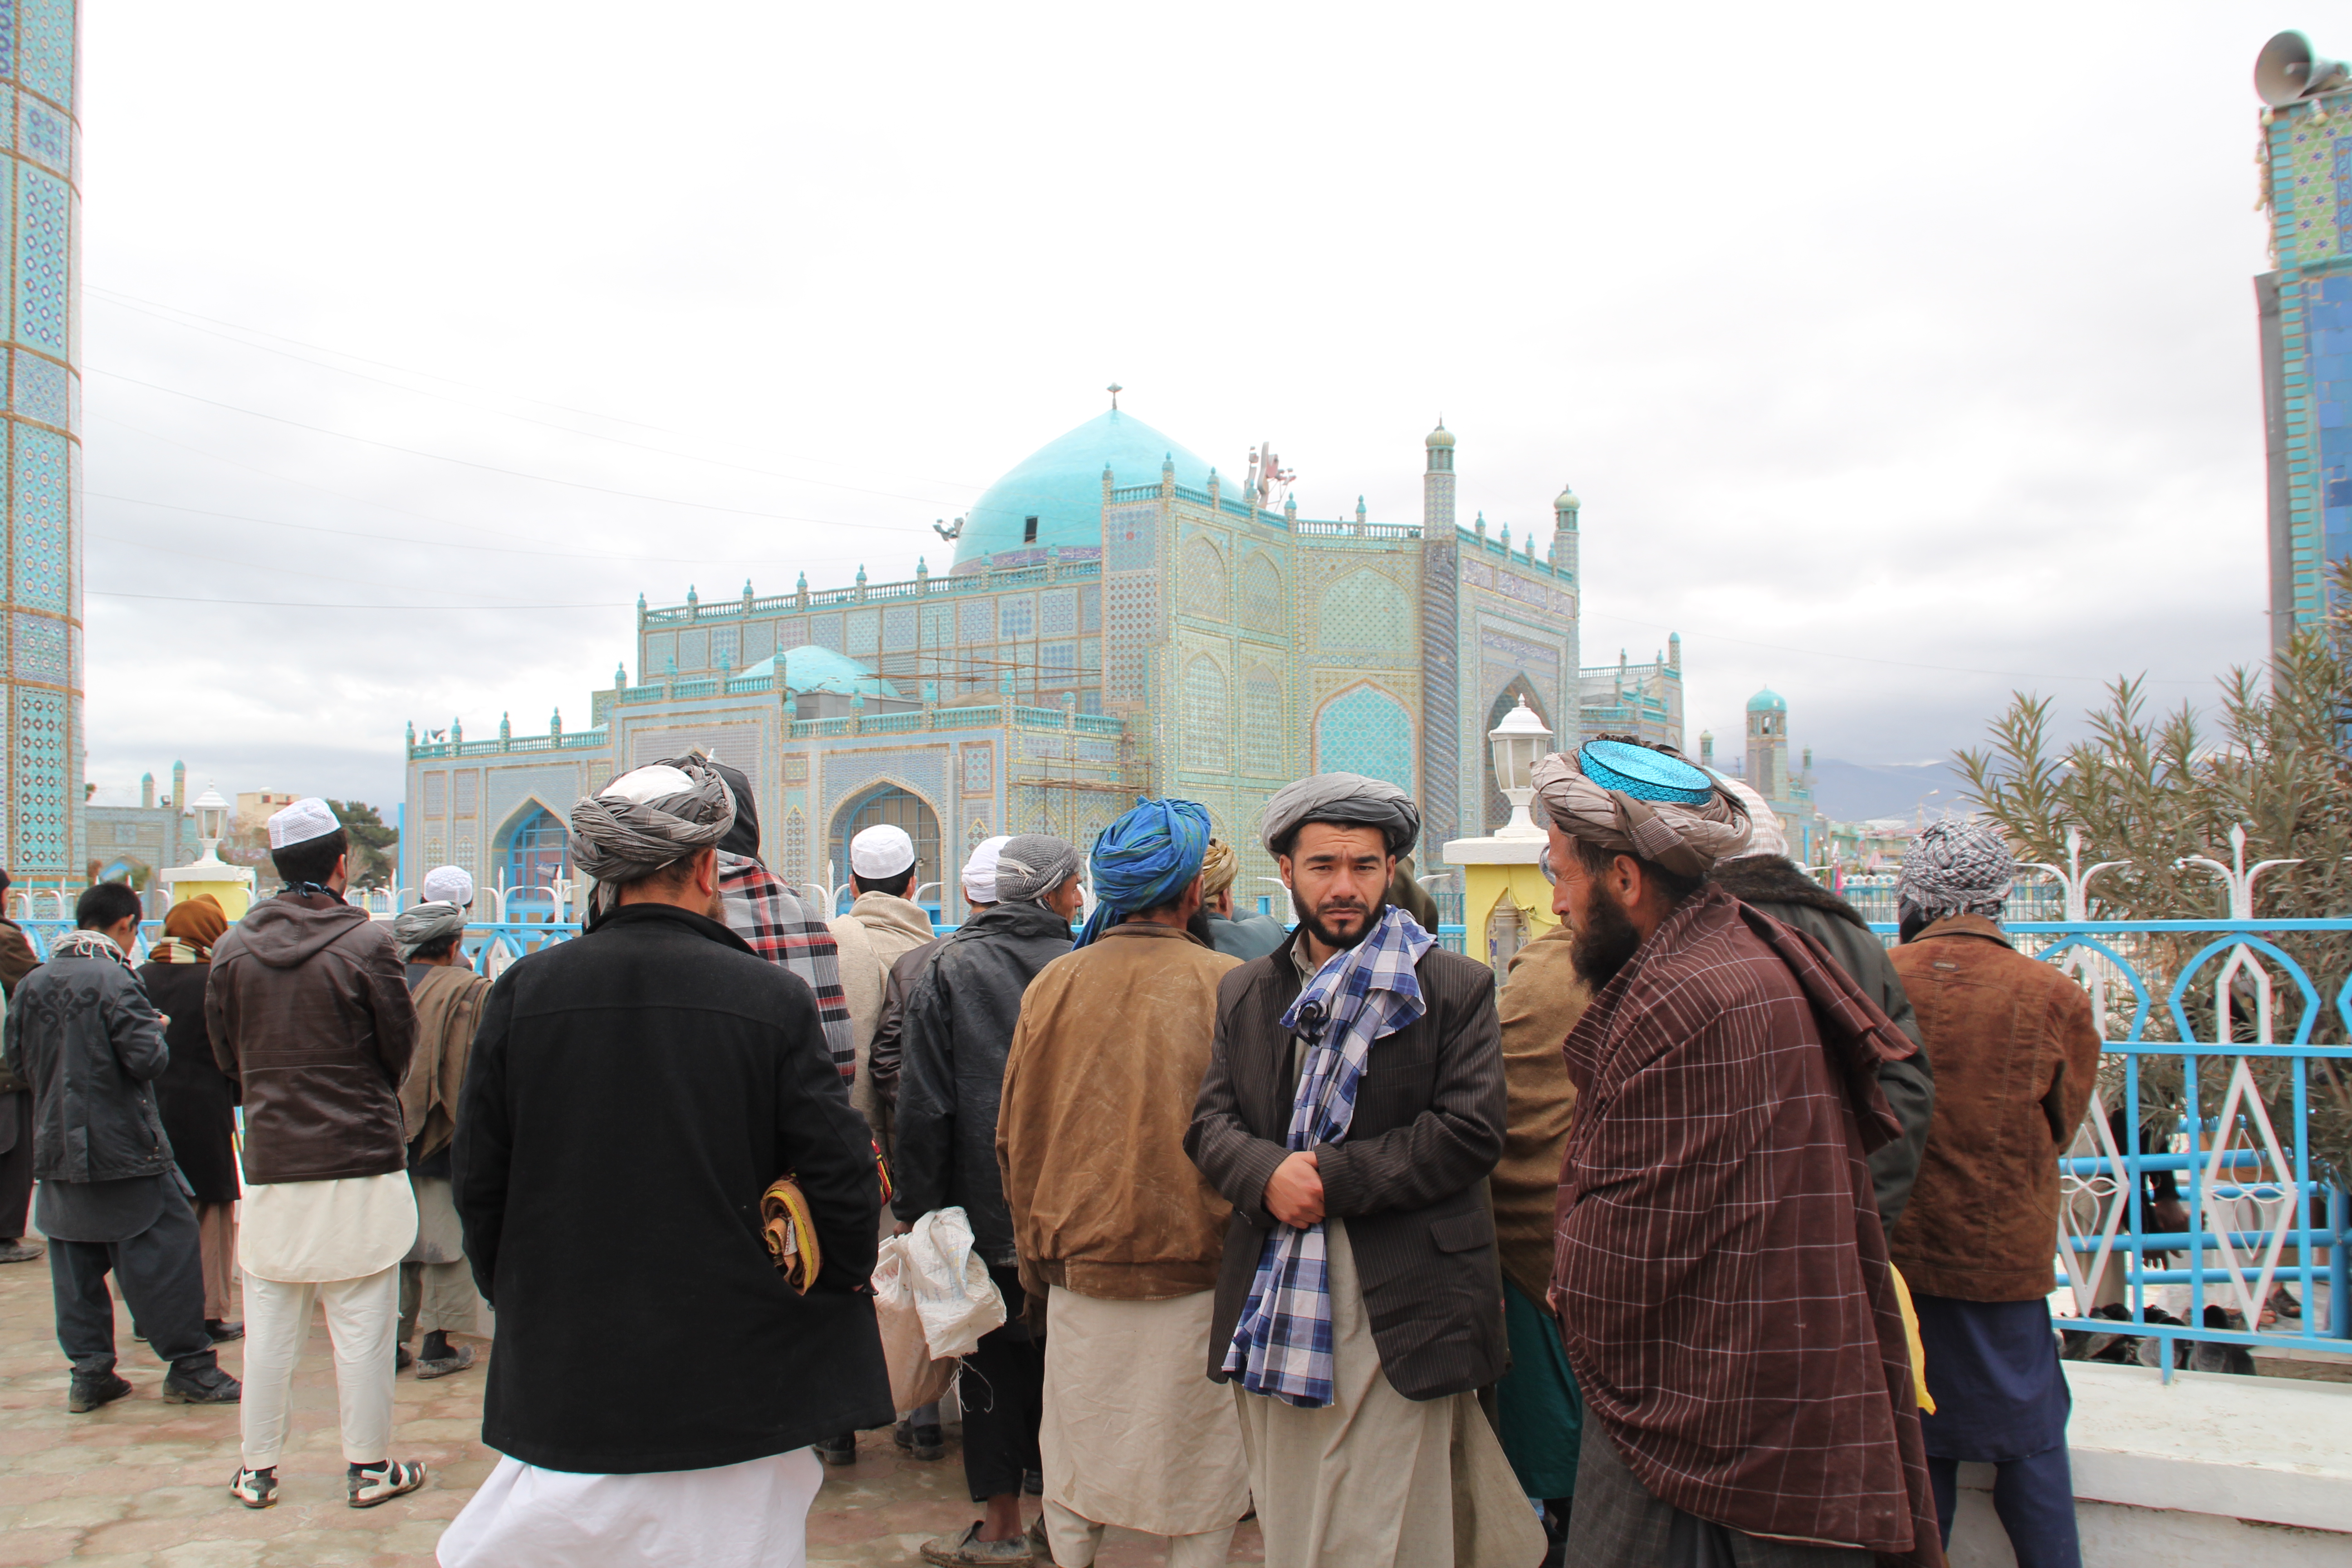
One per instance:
(1644, 774)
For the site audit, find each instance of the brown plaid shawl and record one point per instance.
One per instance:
(1722, 1276)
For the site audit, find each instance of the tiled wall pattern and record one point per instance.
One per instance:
(40, 653)
(2308, 354)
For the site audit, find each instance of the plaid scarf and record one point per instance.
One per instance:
(782, 928)
(1282, 1346)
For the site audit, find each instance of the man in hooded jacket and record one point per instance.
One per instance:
(310, 1012)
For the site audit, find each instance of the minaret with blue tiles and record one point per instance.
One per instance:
(41, 647)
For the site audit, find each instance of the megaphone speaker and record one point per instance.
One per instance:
(2287, 71)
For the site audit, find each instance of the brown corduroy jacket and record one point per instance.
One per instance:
(1098, 1087)
(448, 1010)
(2016, 1051)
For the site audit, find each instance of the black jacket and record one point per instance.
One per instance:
(631, 1095)
(1411, 1180)
(957, 1030)
(83, 1035)
(1774, 885)
(197, 1099)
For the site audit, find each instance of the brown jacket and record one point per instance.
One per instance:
(448, 1010)
(1090, 1133)
(2016, 1052)
(1409, 1180)
(308, 1007)
(1542, 998)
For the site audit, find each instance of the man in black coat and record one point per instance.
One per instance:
(631, 1095)
(1375, 1451)
(956, 1031)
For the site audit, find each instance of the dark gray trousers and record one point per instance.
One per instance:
(1618, 1525)
(15, 1164)
(162, 1272)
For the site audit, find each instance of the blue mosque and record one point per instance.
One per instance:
(1119, 619)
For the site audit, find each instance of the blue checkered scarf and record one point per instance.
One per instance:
(1282, 1346)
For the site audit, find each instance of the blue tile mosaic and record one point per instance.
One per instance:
(39, 647)
(41, 260)
(44, 137)
(1365, 732)
(45, 41)
(39, 391)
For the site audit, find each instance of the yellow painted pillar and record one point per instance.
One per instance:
(1493, 870)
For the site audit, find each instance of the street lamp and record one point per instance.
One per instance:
(1520, 741)
(230, 886)
(212, 822)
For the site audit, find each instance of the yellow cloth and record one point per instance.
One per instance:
(1911, 1338)
(791, 1232)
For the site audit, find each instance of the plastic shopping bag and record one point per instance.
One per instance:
(958, 1301)
(916, 1378)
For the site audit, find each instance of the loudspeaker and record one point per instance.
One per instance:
(2287, 71)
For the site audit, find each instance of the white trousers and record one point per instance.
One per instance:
(1076, 1541)
(751, 1515)
(364, 1320)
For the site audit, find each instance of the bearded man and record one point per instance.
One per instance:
(1116, 1231)
(651, 1079)
(1353, 1107)
(1721, 1276)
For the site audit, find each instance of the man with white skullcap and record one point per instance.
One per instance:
(308, 1009)
(2016, 1045)
(959, 1027)
(1353, 1107)
(644, 1088)
(882, 927)
(1720, 1274)
(449, 885)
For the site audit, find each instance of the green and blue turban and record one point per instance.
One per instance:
(1144, 859)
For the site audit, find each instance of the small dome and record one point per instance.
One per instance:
(1767, 701)
(1566, 500)
(1441, 436)
(811, 668)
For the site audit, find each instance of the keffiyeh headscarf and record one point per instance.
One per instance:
(1219, 867)
(1030, 866)
(1640, 801)
(1144, 859)
(646, 821)
(422, 925)
(1282, 1346)
(1349, 798)
(1954, 869)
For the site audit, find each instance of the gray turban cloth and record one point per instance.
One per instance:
(1954, 869)
(1030, 866)
(422, 925)
(1686, 836)
(1351, 800)
(648, 820)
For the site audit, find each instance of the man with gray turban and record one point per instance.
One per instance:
(1353, 1107)
(437, 1297)
(1727, 1080)
(2016, 1047)
(642, 1087)
(955, 1034)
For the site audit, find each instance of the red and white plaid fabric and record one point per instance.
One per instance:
(782, 928)
(1722, 1278)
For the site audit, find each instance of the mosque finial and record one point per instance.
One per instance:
(1115, 389)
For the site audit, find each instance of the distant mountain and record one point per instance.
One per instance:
(1856, 792)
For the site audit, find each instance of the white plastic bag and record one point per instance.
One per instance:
(916, 1378)
(953, 1293)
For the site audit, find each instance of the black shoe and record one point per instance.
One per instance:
(1034, 1482)
(222, 1333)
(925, 1442)
(210, 1386)
(17, 1250)
(90, 1393)
(841, 1450)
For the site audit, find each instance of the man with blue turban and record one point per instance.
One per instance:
(1118, 1234)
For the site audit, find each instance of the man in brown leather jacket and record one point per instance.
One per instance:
(2016, 1051)
(307, 1006)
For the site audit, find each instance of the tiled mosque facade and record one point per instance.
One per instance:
(1102, 632)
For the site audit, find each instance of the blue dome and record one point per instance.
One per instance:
(809, 667)
(1766, 701)
(1060, 485)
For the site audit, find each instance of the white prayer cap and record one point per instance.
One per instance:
(881, 851)
(449, 885)
(980, 871)
(306, 819)
(655, 781)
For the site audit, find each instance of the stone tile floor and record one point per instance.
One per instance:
(141, 1484)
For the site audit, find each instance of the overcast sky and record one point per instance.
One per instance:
(1901, 357)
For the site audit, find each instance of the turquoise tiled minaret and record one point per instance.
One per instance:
(40, 251)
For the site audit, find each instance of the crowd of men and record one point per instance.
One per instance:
(1603, 1266)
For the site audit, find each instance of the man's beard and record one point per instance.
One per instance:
(1323, 933)
(1606, 942)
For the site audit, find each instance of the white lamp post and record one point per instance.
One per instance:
(231, 887)
(212, 824)
(1520, 741)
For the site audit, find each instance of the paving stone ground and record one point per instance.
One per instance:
(143, 1484)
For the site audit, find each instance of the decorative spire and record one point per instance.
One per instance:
(1115, 389)
(621, 676)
